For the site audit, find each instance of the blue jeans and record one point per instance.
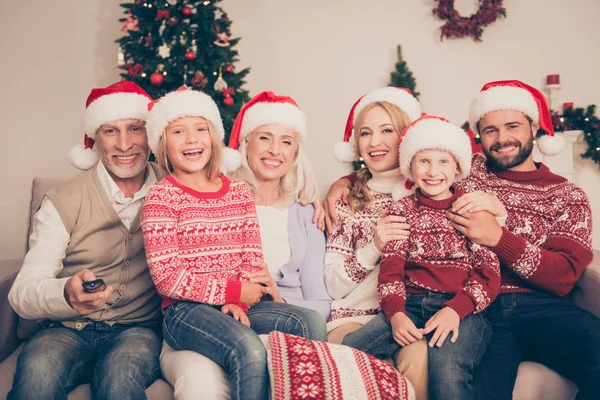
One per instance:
(120, 361)
(451, 367)
(235, 347)
(543, 328)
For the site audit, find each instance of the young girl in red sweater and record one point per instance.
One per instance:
(438, 279)
(202, 242)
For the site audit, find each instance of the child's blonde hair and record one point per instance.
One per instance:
(216, 154)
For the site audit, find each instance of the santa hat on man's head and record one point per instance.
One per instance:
(263, 109)
(400, 97)
(433, 133)
(181, 103)
(121, 100)
(516, 95)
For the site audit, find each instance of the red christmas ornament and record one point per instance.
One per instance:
(134, 70)
(228, 101)
(229, 68)
(157, 79)
(162, 14)
(190, 55)
(186, 11)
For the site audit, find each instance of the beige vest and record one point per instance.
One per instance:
(101, 243)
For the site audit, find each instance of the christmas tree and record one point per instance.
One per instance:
(403, 77)
(170, 43)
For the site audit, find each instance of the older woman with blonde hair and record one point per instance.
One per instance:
(266, 151)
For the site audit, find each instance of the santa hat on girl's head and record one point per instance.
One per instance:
(178, 104)
(433, 133)
(516, 95)
(401, 97)
(263, 109)
(121, 100)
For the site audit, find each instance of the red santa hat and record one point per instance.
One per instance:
(433, 133)
(263, 109)
(516, 95)
(180, 103)
(121, 100)
(400, 97)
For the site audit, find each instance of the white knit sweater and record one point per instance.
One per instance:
(352, 261)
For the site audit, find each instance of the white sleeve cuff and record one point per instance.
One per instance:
(368, 255)
(502, 220)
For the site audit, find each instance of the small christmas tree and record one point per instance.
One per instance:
(170, 43)
(403, 77)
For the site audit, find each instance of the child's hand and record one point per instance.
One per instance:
(264, 277)
(392, 227)
(251, 293)
(236, 312)
(479, 201)
(443, 322)
(404, 330)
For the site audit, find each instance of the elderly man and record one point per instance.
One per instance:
(88, 229)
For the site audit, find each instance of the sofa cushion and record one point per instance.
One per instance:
(536, 381)
(159, 390)
(303, 368)
(39, 189)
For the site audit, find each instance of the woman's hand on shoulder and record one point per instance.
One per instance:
(339, 190)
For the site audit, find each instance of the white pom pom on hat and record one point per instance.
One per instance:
(402, 98)
(516, 95)
(263, 109)
(121, 100)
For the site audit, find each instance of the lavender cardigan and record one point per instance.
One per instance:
(302, 282)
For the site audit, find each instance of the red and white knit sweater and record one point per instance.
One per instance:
(199, 245)
(351, 259)
(547, 239)
(436, 258)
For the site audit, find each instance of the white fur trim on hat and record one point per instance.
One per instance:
(398, 97)
(503, 98)
(551, 145)
(112, 107)
(178, 104)
(433, 133)
(399, 190)
(232, 160)
(82, 158)
(284, 114)
(345, 152)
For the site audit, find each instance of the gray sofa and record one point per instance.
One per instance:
(534, 381)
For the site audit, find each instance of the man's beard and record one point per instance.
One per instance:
(128, 171)
(503, 163)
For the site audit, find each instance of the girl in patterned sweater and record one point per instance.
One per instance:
(202, 243)
(437, 279)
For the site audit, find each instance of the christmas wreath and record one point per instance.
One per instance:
(585, 120)
(458, 26)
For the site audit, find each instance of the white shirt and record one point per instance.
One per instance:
(275, 236)
(36, 293)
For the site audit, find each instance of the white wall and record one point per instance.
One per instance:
(325, 53)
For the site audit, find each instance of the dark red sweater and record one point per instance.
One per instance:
(436, 258)
(547, 240)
